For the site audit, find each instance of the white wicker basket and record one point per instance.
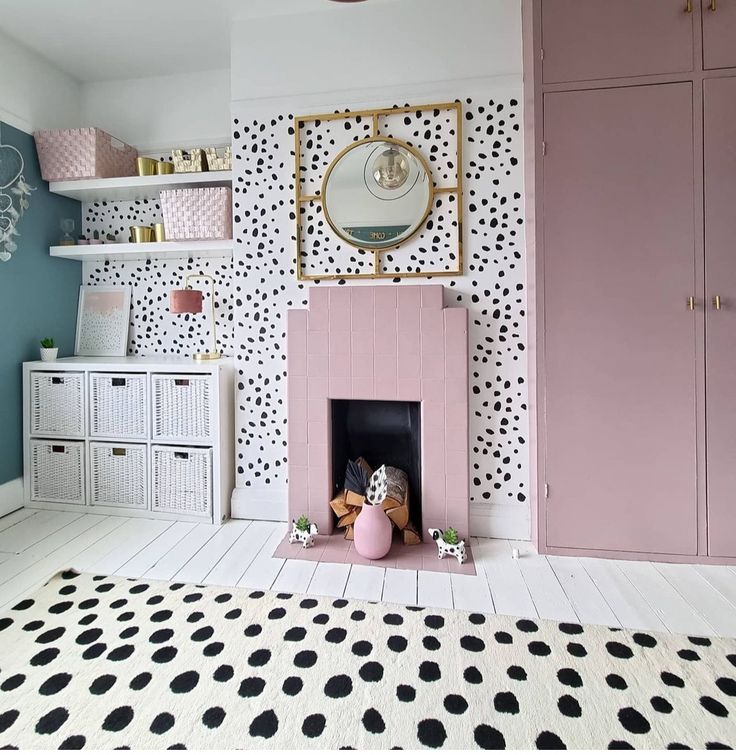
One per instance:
(118, 475)
(118, 406)
(182, 480)
(57, 404)
(57, 471)
(182, 408)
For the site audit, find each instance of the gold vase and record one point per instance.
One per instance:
(141, 234)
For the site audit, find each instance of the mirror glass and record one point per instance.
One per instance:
(377, 193)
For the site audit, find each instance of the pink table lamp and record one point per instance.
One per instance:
(189, 301)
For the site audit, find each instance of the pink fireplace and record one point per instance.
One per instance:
(383, 344)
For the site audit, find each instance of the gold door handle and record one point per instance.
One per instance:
(691, 302)
(717, 302)
(712, 5)
(689, 6)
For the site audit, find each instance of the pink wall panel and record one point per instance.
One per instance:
(600, 39)
(720, 246)
(620, 341)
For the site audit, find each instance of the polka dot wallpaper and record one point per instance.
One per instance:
(493, 287)
(255, 290)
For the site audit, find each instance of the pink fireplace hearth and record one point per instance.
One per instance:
(385, 343)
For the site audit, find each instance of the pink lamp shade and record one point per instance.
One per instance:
(185, 301)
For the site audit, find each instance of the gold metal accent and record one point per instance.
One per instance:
(141, 234)
(159, 233)
(164, 168)
(375, 115)
(689, 6)
(712, 5)
(215, 353)
(355, 145)
(146, 166)
(691, 303)
(717, 302)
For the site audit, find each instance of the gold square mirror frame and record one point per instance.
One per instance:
(319, 198)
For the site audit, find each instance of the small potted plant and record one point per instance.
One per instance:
(449, 544)
(303, 531)
(49, 352)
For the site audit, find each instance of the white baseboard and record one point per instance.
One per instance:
(11, 496)
(269, 504)
(501, 521)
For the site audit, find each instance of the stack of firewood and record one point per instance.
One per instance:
(348, 503)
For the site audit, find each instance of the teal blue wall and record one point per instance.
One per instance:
(38, 297)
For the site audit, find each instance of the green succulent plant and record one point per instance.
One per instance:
(47, 343)
(303, 524)
(450, 536)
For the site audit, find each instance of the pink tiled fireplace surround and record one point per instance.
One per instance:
(383, 343)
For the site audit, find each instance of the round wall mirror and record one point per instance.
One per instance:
(377, 193)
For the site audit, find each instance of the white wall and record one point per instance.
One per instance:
(161, 112)
(364, 46)
(33, 93)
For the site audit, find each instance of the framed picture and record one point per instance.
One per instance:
(102, 321)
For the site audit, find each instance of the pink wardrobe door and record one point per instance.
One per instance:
(719, 34)
(620, 340)
(603, 39)
(720, 334)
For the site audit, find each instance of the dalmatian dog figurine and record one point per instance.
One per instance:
(303, 536)
(446, 549)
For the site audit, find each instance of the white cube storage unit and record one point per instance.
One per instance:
(134, 436)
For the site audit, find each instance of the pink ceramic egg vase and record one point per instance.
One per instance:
(372, 532)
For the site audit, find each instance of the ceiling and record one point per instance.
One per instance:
(97, 40)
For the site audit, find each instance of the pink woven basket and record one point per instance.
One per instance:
(192, 214)
(77, 153)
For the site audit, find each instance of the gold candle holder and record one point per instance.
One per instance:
(159, 233)
(146, 166)
(141, 234)
(164, 168)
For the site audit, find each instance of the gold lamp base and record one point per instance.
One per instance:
(201, 357)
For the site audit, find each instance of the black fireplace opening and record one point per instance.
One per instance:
(382, 432)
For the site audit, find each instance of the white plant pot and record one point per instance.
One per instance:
(49, 355)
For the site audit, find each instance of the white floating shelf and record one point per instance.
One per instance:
(154, 250)
(131, 188)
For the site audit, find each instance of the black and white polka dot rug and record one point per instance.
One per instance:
(103, 662)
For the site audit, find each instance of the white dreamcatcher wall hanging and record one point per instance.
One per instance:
(14, 193)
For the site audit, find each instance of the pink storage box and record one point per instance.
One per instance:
(197, 214)
(76, 153)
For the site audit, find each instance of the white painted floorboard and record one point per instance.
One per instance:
(150, 555)
(365, 582)
(508, 589)
(694, 600)
(586, 599)
(209, 555)
(188, 547)
(329, 580)
(627, 603)
(674, 611)
(434, 589)
(233, 564)
(400, 586)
